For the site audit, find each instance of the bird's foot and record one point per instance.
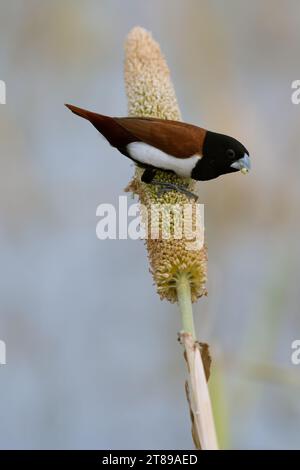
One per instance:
(166, 187)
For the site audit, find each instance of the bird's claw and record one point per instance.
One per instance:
(166, 187)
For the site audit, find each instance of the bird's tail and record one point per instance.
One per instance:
(106, 125)
(84, 113)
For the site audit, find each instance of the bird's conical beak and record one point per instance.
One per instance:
(242, 164)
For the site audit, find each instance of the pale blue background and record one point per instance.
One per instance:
(93, 360)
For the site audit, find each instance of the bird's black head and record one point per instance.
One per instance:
(221, 154)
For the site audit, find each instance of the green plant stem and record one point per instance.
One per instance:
(203, 427)
(185, 305)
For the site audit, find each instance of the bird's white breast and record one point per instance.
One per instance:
(149, 155)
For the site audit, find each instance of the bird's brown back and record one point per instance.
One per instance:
(172, 137)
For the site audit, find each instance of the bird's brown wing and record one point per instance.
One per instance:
(173, 137)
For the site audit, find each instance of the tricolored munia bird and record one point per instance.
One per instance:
(186, 150)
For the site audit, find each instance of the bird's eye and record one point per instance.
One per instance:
(230, 153)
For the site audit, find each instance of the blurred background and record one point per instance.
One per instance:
(92, 355)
